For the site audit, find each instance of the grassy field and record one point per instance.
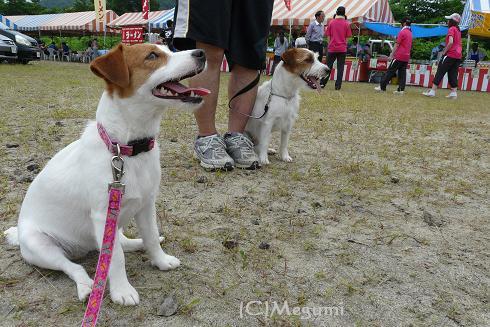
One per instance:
(384, 212)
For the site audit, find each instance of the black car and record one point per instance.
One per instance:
(27, 47)
(8, 49)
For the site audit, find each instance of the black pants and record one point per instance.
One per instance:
(340, 57)
(396, 67)
(317, 47)
(277, 60)
(450, 66)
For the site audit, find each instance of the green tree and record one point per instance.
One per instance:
(22, 7)
(167, 4)
(425, 11)
(124, 6)
(82, 5)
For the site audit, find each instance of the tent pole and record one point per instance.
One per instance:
(104, 31)
(357, 50)
(468, 41)
(149, 24)
(358, 36)
(290, 28)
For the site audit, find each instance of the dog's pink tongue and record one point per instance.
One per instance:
(182, 89)
(317, 84)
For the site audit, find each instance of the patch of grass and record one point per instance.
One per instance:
(190, 306)
(188, 245)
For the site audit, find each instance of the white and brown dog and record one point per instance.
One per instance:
(64, 211)
(298, 69)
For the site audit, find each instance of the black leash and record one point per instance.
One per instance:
(247, 88)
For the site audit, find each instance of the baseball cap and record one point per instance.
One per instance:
(456, 17)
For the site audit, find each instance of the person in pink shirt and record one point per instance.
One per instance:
(400, 56)
(451, 58)
(337, 32)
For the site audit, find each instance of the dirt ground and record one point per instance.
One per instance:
(381, 220)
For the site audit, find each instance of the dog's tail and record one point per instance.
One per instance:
(12, 236)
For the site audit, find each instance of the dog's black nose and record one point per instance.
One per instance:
(199, 54)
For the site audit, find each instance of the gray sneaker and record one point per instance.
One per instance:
(211, 152)
(241, 149)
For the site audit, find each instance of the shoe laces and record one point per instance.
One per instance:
(240, 140)
(217, 144)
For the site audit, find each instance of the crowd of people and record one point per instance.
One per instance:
(447, 54)
(64, 51)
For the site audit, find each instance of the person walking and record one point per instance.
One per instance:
(245, 48)
(399, 57)
(338, 30)
(280, 46)
(451, 58)
(314, 34)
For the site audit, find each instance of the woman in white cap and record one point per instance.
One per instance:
(451, 58)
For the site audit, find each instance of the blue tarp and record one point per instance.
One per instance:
(417, 31)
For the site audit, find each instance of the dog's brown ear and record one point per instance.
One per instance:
(112, 67)
(295, 56)
(288, 57)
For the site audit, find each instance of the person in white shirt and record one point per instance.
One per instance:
(280, 46)
(301, 41)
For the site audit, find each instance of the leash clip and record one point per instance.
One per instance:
(117, 165)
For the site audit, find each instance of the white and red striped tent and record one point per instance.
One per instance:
(79, 21)
(135, 18)
(303, 11)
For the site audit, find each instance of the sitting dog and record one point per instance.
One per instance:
(298, 69)
(64, 211)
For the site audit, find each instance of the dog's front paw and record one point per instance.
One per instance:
(84, 289)
(124, 294)
(166, 262)
(264, 160)
(286, 158)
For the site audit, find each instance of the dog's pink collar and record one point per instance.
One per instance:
(131, 149)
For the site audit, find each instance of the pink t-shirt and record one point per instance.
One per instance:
(338, 31)
(456, 49)
(404, 41)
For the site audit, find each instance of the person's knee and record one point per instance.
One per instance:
(214, 55)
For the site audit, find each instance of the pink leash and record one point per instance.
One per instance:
(116, 190)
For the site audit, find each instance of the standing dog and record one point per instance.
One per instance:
(64, 211)
(299, 69)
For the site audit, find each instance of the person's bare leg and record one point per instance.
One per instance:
(240, 78)
(208, 79)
